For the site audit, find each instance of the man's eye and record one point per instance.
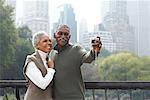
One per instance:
(66, 34)
(60, 33)
(63, 33)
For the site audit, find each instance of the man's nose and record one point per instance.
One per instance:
(63, 36)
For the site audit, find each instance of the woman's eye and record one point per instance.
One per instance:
(45, 40)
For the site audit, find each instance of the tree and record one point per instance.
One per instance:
(24, 32)
(8, 37)
(104, 53)
(120, 67)
(24, 48)
(89, 72)
(15, 44)
(124, 66)
(145, 69)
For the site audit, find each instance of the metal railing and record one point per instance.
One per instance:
(18, 84)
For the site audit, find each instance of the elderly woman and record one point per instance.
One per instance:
(38, 70)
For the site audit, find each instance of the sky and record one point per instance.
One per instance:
(88, 9)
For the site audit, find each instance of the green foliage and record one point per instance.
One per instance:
(24, 48)
(24, 32)
(9, 97)
(89, 72)
(15, 44)
(145, 69)
(124, 66)
(8, 36)
(104, 53)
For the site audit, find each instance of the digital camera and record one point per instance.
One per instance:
(95, 40)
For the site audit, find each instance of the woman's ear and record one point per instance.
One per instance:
(37, 46)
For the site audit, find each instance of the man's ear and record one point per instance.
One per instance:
(69, 36)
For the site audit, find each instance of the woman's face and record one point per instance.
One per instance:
(45, 44)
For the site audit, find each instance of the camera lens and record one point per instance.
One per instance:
(93, 41)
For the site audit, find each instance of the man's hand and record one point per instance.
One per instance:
(97, 45)
(50, 64)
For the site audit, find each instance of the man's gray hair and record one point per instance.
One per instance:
(37, 37)
(62, 26)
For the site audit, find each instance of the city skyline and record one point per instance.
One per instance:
(90, 10)
(118, 17)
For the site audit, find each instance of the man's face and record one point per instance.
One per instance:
(62, 36)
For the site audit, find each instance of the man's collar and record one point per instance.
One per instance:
(63, 48)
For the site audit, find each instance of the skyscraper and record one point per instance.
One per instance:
(117, 22)
(35, 15)
(139, 12)
(83, 28)
(67, 16)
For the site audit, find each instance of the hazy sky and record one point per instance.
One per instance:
(88, 9)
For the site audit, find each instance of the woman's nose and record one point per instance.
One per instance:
(49, 42)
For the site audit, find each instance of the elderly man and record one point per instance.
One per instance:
(68, 82)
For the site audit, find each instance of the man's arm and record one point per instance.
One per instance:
(96, 47)
(85, 56)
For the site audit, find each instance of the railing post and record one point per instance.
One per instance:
(143, 95)
(17, 93)
(93, 93)
(118, 95)
(6, 96)
(130, 94)
(105, 94)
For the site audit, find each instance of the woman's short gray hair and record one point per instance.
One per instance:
(37, 37)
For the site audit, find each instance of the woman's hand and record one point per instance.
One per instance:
(50, 63)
